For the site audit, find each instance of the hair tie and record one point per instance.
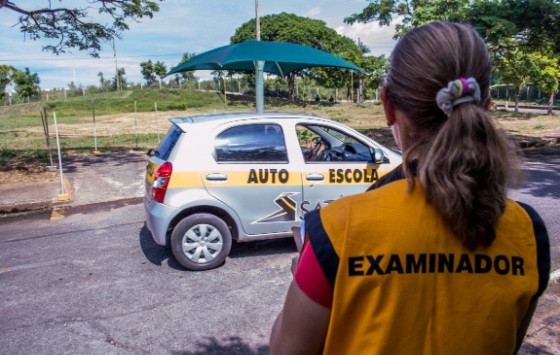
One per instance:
(458, 92)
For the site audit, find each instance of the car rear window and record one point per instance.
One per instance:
(166, 145)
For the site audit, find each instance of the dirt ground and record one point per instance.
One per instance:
(540, 137)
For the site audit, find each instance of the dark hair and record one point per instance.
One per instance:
(462, 161)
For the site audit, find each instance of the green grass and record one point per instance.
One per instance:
(28, 159)
(145, 102)
(22, 141)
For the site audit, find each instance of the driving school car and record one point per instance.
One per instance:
(215, 179)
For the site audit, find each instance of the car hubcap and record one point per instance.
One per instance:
(202, 243)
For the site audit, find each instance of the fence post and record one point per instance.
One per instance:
(45, 120)
(135, 125)
(157, 121)
(63, 196)
(95, 151)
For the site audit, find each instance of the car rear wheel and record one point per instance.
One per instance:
(201, 241)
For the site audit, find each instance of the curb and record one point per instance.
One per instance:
(67, 209)
(25, 208)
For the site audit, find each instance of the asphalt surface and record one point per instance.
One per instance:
(88, 180)
(116, 181)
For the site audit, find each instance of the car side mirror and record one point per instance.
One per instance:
(378, 157)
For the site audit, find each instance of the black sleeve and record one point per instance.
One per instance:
(322, 246)
(394, 175)
(543, 249)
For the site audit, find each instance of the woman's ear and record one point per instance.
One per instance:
(387, 106)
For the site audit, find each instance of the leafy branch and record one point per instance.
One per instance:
(74, 28)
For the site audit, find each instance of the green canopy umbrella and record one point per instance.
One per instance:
(279, 58)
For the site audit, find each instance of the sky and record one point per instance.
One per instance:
(193, 26)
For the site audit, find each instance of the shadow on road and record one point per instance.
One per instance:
(155, 253)
(73, 163)
(543, 177)
(232, 345)
(262, 248)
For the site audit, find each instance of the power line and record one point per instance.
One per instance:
(89, 58)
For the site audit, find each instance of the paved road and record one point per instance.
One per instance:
(530, 109)
(95, 282)
(542, 191)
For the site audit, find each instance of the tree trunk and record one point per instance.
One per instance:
(224, 82)
(291, 83)
(550, 104)
(361, 90)
(517, 95)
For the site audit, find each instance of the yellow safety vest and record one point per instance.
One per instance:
(404, 284)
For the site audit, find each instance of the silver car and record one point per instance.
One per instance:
(245, 176)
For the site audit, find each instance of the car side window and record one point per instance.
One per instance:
(251, 143)
(325, 144)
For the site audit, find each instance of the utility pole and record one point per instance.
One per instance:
(259, 65)
(116, 67)
(361, 83)
(258, 21)
(73, 69)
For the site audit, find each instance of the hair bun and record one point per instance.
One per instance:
(458, 92)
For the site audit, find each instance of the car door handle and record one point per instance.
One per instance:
(315, 177)
(216, 177)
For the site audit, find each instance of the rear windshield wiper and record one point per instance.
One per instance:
(152, 152)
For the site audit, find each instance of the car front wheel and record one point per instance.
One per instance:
(201, 241)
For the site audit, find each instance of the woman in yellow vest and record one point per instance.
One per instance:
(434, 258)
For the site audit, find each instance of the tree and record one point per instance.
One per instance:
(27, 84)
(104, 83)
(513, 29)
(6, 77)
(186, 76)
(122, 80)
(376, 69)
(546, 75)
(160, 69)
(514, 67)
(534, 24)
(412, 13)
(74, 27)
(147, 70)
(521, 35)
(302, 30)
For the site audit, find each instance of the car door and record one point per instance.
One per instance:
(252, 176)
(336, 164)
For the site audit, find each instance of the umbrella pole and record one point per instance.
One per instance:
(259, 87)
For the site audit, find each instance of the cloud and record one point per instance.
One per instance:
(180, 26)
(378, 39)
(315, 11)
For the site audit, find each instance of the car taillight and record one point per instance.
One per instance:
(161, 180)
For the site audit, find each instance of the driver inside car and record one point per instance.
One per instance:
(315, 149)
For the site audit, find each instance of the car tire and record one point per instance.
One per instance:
(201, 241)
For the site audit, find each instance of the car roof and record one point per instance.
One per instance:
(183, 122)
